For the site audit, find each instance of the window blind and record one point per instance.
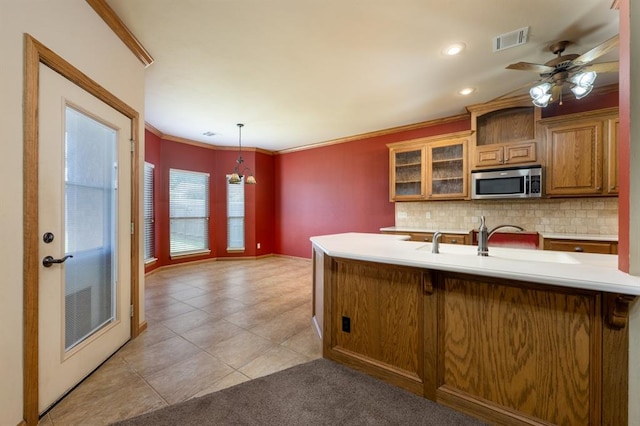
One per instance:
(188, 211)
(149, 232)
(235, 215)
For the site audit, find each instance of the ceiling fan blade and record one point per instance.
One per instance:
(603, 67)
(526, 86)
(527, 66)
(597, 51)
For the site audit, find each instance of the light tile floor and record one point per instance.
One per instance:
(210, 326)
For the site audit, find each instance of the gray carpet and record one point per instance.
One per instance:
(320, 392)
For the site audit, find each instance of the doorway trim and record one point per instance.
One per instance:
(34, 54)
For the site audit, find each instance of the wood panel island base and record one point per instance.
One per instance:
(508, 351)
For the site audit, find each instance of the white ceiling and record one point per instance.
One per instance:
(299, 72)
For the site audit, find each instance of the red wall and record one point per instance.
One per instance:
(337, 188)
(331, 189)
(259, 207)
(624, 137)
(571, 105)
(152, 155)
(265, 215)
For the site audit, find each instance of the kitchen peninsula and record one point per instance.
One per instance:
(518, 337)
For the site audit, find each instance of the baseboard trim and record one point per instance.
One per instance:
(221, 259)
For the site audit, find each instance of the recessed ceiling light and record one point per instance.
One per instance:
(453, 49)
(467, 91)
(209, 134)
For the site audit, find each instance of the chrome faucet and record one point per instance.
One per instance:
(435, 242)
(484, 235)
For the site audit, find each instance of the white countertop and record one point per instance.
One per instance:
(408, 229)
(577, 270)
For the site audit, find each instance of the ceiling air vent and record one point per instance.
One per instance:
(510, 39)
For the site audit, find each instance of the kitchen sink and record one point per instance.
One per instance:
(507, 254)
(533, 255)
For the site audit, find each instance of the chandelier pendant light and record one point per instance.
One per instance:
(237, 175)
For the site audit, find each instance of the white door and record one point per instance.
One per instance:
(84, 186)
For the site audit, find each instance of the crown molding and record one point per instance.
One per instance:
(377, 133)
(205, 145)
(120, 29)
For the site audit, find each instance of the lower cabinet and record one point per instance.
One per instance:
(503, 351)
(375, 321)
(521, 353)
(447, 238)
(580, 246)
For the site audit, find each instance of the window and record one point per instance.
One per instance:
(188, 212)
(235, 215)
(149, 231)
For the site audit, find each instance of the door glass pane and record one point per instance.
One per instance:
(90, 224)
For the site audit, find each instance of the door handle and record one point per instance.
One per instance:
(49, 260)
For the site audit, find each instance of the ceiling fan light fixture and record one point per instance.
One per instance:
(542, 101)
(541, 94)
(584, 79)
(581, 91)
(540, 91)
(583, 83)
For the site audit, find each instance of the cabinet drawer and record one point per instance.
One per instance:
(586, 246)
(506, 154)
(462, 238)
(455, 239)
(452, 238)
(520, 153)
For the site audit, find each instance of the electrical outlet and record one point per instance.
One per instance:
(428, 215)
(258, 246)
(346, 324)
(402, 215)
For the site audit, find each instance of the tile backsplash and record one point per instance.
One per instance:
(565, 216)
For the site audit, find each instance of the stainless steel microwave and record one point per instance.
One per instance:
(513, 182)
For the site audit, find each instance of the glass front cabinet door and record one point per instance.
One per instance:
(447, 169)
(407, 173)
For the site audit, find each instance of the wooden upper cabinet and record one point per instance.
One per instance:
(575, 154)
(505, 133)
(429, 168)
(447, 169)
(574, 159)
(612, 157)
(505, 154)
(407, 172)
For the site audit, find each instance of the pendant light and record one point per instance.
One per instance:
(236, 176)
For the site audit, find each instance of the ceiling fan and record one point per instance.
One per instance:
(576, 70)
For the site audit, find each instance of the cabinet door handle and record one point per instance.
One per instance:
(578, 249)
(454, 241)
(598, 188)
